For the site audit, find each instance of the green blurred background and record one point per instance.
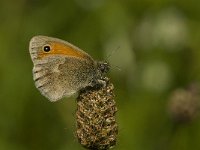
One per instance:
(155, 43)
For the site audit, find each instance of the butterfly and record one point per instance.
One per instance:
(61, 69)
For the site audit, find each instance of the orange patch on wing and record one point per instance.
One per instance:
(62, 49)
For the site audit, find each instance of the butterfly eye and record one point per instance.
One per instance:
(47, 48)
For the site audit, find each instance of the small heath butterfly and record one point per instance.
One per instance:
(62, 69)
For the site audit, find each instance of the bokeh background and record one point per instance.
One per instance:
(152, 46)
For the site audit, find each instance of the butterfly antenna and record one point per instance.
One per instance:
(112, 52)
(118, 68)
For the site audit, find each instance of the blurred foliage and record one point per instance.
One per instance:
(155, 43)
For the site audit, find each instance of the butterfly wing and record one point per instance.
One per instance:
(57, 72)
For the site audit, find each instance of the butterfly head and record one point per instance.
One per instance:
(103, 67)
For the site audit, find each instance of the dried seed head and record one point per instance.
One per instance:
(96, 123)
(184, 104)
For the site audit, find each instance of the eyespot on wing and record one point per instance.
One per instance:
(57, 47)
